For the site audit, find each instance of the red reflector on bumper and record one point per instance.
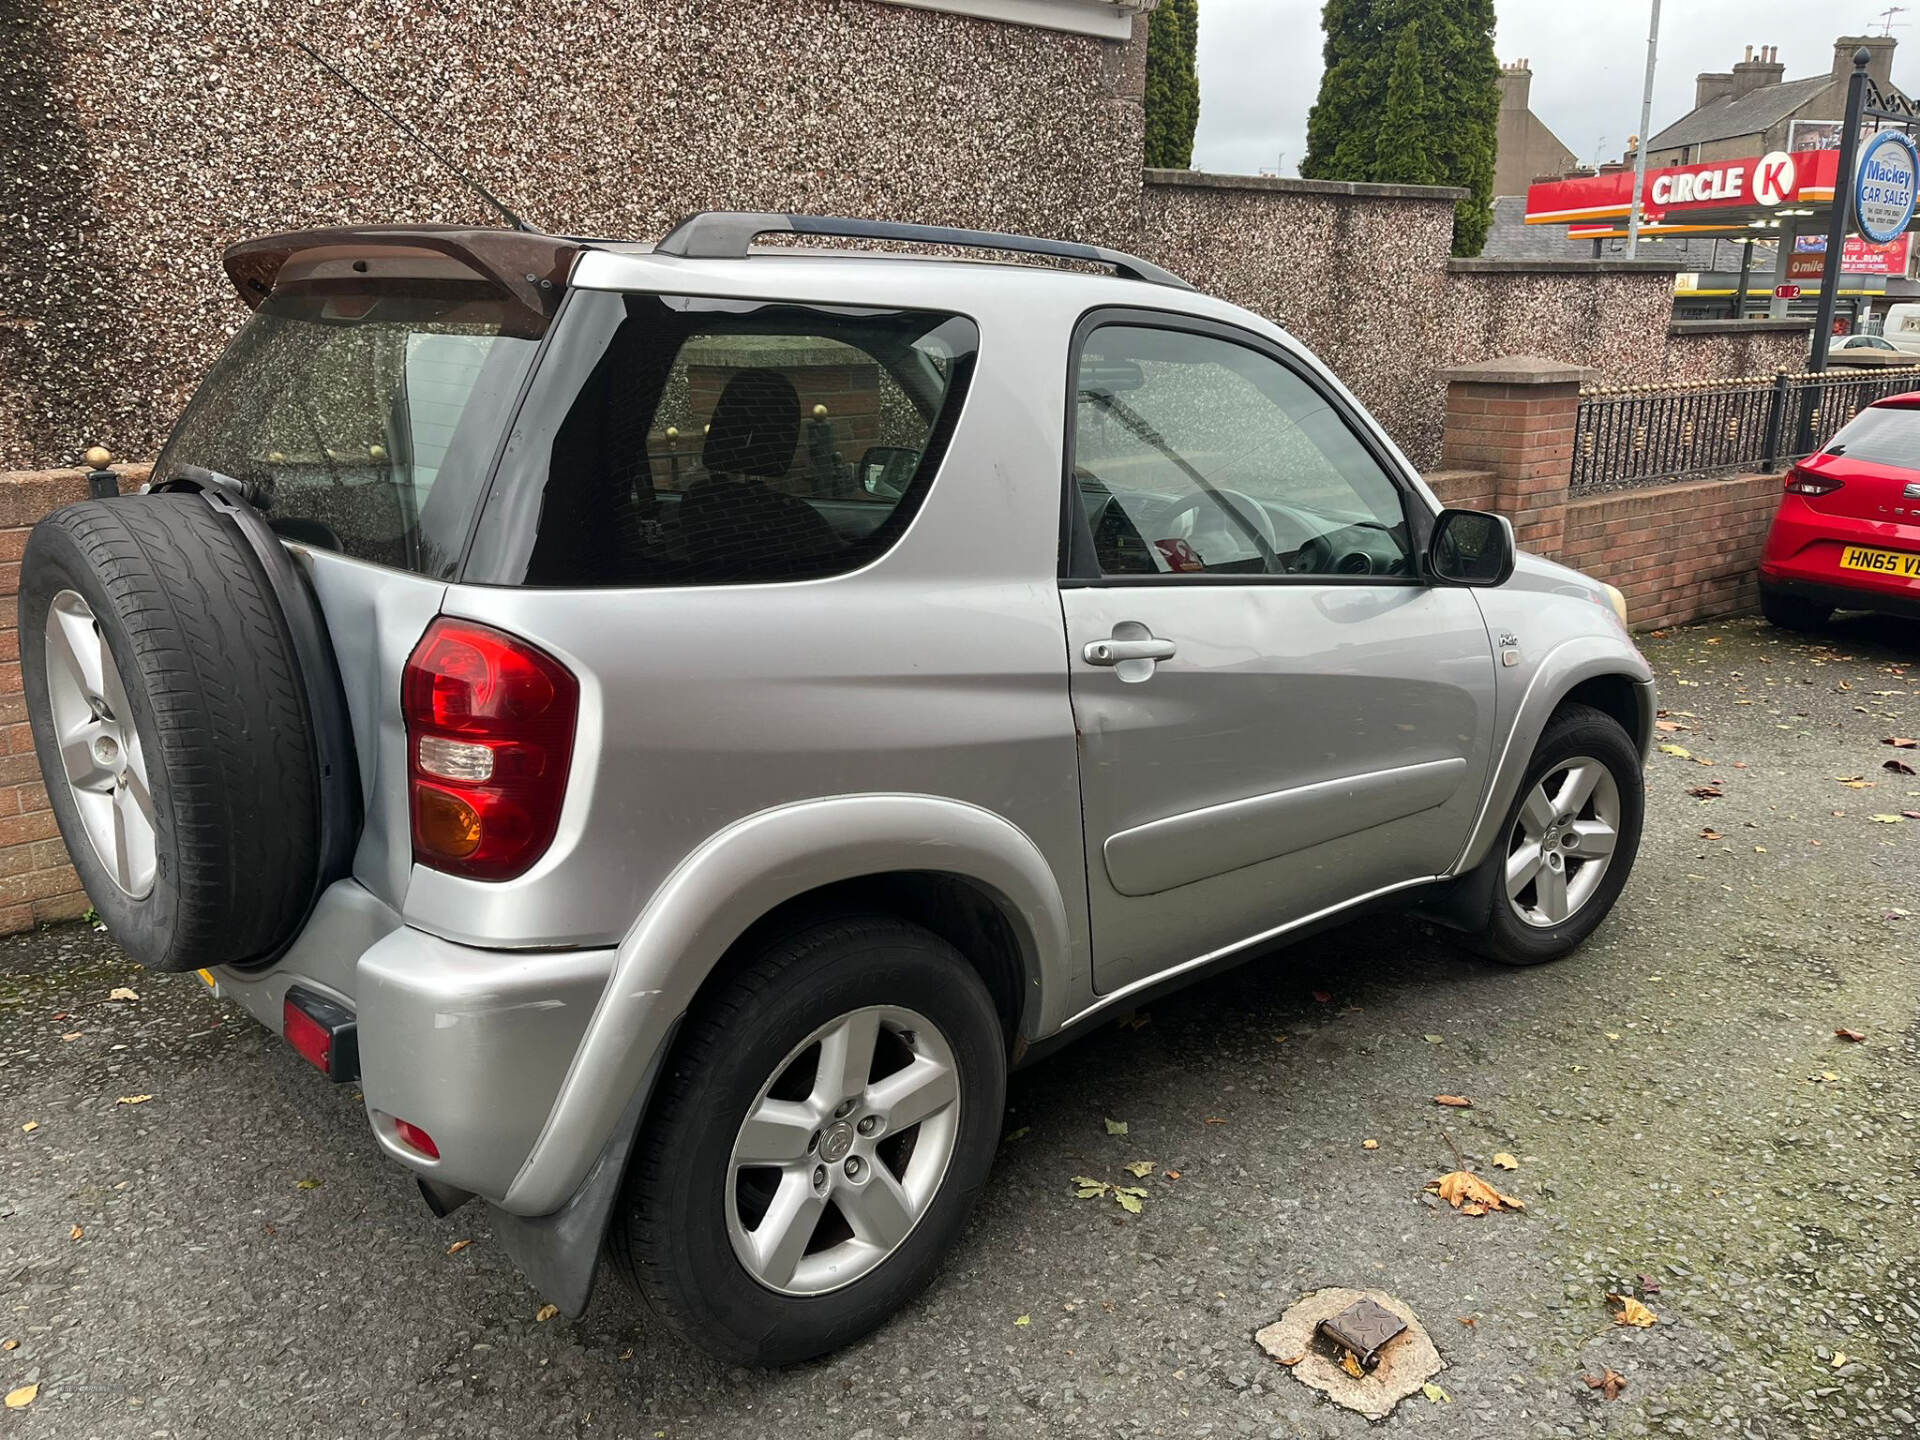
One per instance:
(323, 1031)
(415, 1138)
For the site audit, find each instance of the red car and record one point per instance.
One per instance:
(1847, 534)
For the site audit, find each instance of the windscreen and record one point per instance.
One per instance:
(368, 414)
(1881, 435)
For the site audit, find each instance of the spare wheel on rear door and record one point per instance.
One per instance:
(169, 658)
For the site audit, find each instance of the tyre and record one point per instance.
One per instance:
(821, 1132)
(171, 726)
(1569, 842)
(1792, 612)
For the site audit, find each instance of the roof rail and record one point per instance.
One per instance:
(728, 234)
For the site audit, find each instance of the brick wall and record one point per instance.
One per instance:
(36, 880)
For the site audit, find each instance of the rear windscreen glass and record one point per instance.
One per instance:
(671, 440)
(368, 414)
(1881, 435)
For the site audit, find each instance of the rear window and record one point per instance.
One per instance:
(368, 414)
(1881, 435)
(681, 441)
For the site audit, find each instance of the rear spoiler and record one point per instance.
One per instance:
(531, 269)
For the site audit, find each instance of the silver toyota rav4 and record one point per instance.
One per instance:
(675, 724)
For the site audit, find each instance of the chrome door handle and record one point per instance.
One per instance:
(1118, 652)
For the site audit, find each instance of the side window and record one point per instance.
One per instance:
(725, 442)
(1197, 455)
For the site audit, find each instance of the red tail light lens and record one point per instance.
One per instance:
(414, 1138)
(490, 723)
(1805, 482)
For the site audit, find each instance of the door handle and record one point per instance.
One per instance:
(1118, 651)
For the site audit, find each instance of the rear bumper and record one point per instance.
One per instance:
(469, 1045)
(1802, 558)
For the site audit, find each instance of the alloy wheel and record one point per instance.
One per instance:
(1563, 842)
(99, 745)
(843, 1150)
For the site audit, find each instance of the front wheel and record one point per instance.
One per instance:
(1570, 839)
(826, 1122)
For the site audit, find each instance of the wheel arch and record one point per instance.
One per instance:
(964, 872)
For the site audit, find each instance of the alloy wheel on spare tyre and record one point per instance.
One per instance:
(173, 723)
(821, 1129)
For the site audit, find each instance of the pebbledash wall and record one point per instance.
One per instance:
(138, 140)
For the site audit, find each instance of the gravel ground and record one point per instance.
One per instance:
(246, 1264)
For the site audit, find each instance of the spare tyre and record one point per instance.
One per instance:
(174, 725)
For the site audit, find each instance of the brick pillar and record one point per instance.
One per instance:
(1514, 417)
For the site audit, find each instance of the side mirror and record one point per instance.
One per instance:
(886, 470)
(1471, 547)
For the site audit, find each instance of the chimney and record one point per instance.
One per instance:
(1708, 88)
(1753, 73)
(1879, 50)
(1516, 85)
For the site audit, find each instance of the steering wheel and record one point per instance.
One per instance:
(1242, 517)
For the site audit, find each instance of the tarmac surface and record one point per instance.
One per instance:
(234, 1257)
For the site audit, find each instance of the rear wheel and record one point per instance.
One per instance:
(171, 726)
(1570, 840)
(824, 1127)
(1792, 612)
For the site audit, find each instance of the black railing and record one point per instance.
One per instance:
(1634, 435)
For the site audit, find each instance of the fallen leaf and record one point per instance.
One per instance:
(1457, 1102)
(9, 1344)
(1434, 1393)
(1886, 819)
(133, 1099)
(310, 1183)
(1290, 1360)
(1089, 1187)
(1020, 1134)
(1898, 767)
(1855, 782)
(1139, 1168)
(1668, 725)
(546, 1313)
(1468, 1320)
(1840, 1357)
(1322, 996)
(1900, 742)
(1632, 1312)
(1214, 1120)
(123, 993)
(23, 1397)
(1708, 792)
(1350, 1363)
(75, 1233)
(1023, 1320)
(29, 1127)
(1611, 1034)
(1680, 751)
(1853, 1035)
(1129, 1198)
(1434, 1039)
(1609, 1384)
(1472, 1208)
(1506, 1161)
(1711, 834)
(458, 1246)
(71, 1035)
(1462, 1187)
(1369, 1144)
(1116, 1127)
(1646, 1285)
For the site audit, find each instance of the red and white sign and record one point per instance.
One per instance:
(1714, 193)
(1862, 257)
(1786, 292)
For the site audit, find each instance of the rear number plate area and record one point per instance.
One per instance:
(1881, 562)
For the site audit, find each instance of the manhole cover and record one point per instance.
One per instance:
(1405, 1361)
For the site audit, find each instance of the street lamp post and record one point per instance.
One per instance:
(1646, 123)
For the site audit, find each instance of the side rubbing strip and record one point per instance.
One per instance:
(1201, 843)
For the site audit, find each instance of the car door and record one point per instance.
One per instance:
(1277, 714)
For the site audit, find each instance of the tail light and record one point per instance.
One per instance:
(490, 724)
(1801, 481)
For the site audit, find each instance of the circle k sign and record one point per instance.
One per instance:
(1885, 186)
(1773, 177)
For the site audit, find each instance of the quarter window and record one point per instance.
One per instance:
(1196, 455)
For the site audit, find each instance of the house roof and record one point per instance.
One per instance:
(1511, 238)
(1725, 118)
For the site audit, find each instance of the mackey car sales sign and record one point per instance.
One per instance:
(1885, 186)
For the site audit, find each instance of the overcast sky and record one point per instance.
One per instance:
(1260, 65)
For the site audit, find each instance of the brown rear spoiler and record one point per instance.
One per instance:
(532, 269)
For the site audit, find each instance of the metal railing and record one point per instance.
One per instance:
(1634, 435)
